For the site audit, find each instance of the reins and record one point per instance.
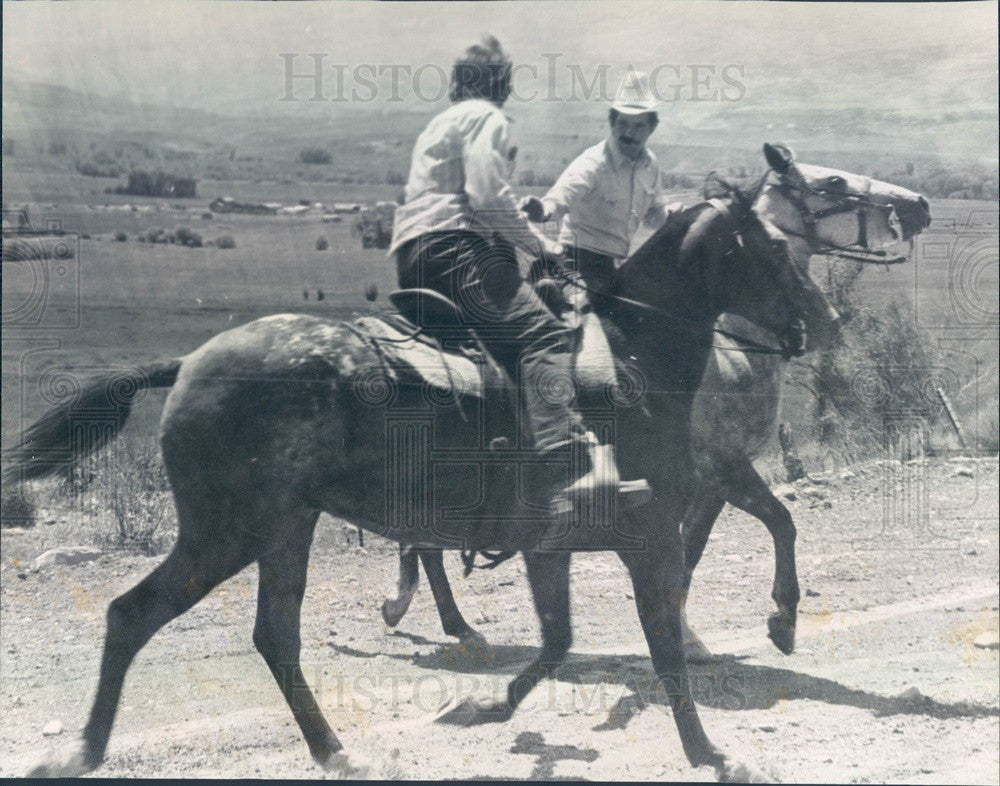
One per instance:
(685, 324)
(749, 345)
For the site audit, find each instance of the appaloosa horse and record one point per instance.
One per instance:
(818, 211)
(273, 422)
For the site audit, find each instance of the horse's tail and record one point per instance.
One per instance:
(54, 441)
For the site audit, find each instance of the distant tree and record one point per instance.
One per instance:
(92, 169)
(159, 184)
(314, 155)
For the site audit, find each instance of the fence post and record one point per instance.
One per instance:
(955, 422)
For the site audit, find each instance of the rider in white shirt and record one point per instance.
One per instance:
(609, 189)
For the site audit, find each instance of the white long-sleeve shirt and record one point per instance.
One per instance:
(602, 197)
(459, 177)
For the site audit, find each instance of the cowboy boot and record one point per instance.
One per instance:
(593, 488)
(559, 434)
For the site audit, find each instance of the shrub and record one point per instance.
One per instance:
(121, 237)
(141, 509)
(16, 509)
(322, 244)
(185, 237)
(314, 155)
(226, 241)
(884, 368)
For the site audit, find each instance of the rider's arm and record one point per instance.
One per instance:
(577, 181)
(488, 159)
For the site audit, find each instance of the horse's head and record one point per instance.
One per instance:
(767, 286)
(726, 259)
(831, 210)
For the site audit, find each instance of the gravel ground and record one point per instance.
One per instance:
(899, 568)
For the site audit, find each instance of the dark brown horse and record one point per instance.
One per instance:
(736, 411)
(273, 422)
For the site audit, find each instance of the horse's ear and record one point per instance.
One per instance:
(779, 157)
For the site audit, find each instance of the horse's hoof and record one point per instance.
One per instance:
(695, 651)
(476, 648)
(781, 631)
(348, 766)
(468, 712)
(71, 761)
(391, 613)
(739, 772)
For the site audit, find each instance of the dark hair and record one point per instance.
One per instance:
(482, 72)
(613, 116)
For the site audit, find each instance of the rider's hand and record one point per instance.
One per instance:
(673, 209)
(534, 209)
(550, 248)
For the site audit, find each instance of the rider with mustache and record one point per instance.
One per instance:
(609, 189)
(456, 234)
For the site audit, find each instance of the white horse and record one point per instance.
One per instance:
(737, 408)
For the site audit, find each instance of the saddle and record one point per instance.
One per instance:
(428, 343)
(428, 338)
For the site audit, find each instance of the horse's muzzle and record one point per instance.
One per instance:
(793, 339)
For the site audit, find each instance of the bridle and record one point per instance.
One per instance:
(797, 193)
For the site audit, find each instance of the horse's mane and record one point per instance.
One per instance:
(743, 193)
(738, 198)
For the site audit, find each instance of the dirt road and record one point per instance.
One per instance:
(898, 564)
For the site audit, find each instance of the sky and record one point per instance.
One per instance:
(226, 55)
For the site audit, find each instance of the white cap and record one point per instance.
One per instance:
(634, 95)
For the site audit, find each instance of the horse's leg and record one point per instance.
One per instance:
(281, 586)
(188, 573)
(409, 576)
(452, 621)
(548, 574)
(695, 529)
(748, 491)
(658, 580)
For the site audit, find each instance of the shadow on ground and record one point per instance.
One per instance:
(726, 683)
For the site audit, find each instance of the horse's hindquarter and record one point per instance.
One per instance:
(293, 412)
(737, 404)
(255, 408)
